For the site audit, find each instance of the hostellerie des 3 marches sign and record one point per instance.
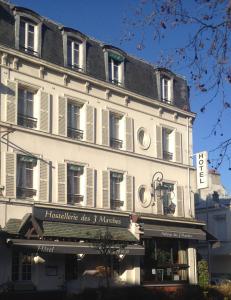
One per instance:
(68, 216)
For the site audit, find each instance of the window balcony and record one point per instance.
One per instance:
(75, 133)
(74, 199)
(75, 67)
(165, 100)
(116, 82)
(28, 50)
(167, 155)
(116, 143)
(116, 204)
(27, 121)
(23, 193)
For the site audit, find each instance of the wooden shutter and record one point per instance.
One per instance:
(180, 201)
(129, 133)
(12, 102)
(105, 127)
(10, 175)
(44, 116)
(43, 181)
(129, 192)
(178, 147)
(159, 146)
(90, 187)
(106, 189)
(62, 183)
(90, 124)
(62, 122)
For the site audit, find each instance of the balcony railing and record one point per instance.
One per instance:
(27, 121)
(165, 100)
(116, 143)
(75, 67)
(74, 199)
(23, 193)
(116, 204)
(74, 133)
(28, 50)
(167, 155)
(115, 81)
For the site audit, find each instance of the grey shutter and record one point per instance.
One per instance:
(105, 127)
(129, 134)
(129, 192)
(10, 175)
(44, 112)
(178, 147)
(106, 190)
(90, 189)
(12, 102)
(159, 146)
(43, 181)
(159, 206)
(180, 201)
(62, 122)
(90, 124)
(62, 183)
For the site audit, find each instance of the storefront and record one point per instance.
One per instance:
(54, 249)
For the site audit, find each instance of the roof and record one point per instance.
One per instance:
(140, 76)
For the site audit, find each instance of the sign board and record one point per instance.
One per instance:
(202, 169)
(80, 217)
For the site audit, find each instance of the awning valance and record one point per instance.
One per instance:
(60, 247)
(188, 233)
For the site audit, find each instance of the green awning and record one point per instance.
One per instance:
(116, 57)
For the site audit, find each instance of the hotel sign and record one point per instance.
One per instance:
(79, 217)
(202, 169)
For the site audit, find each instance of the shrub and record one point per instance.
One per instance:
(203, 274)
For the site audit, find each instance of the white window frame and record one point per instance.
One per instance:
(112, 64)
(27, 48)
(173, 195)
(117, 204)
(82, 178)
(166, 89)
(71, 60)
(168, 143)
(116, 120)
(79, 126)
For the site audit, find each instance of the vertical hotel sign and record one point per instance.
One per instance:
(202, 169)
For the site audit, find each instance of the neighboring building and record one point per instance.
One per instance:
(85, 130)
(213, 206)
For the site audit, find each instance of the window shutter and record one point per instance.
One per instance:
(90, 124)
(106, 195)
(43, 181)
(62, 123)
(44, 111)
(159, 206)
(180, 201)
(129, 134)
(129, 192)
(105, 127)
(12, 102)
(90, 190)
(159, 148)
(10, 175)
(62, 183)
(178, 147)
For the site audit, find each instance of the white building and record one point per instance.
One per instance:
(90, 137)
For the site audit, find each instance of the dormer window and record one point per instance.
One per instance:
(28, 28)
(114, 65)
(166, 89)
(74, 47)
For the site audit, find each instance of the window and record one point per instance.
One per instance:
(21, 266)
(73, 119)
(74, 54)
(116, 180)
(26, 103)
(168, 196)
(115, 124)
(28, 37)
(165, 260)
(168, 143)
(71, 267)
(74, 184)
(143, 138)
(166, 89)
(25, 176)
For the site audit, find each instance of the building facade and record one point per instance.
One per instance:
(92, 139)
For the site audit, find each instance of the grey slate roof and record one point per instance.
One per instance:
(140, 76)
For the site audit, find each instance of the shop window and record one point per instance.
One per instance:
(71, 267)
(116, 140)
(75, 174)
(25, 176)
(21, 266)
(116, 182)
(165, 260)
(26, 108)
(74, 111)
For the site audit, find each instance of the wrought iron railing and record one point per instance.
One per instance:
(116, 143)
(27, 121)
(75, 67)
(74, 199)
(25, 192)
(75, 133)
(167, 155)
(116, 204)
(28, 50)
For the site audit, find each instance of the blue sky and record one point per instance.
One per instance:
(102, 19)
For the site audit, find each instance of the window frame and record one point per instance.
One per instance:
(75, 132)
(115, 188)
(80, 195)
(115, 128)
(22, 267)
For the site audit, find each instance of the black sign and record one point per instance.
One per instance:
(58, 215)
